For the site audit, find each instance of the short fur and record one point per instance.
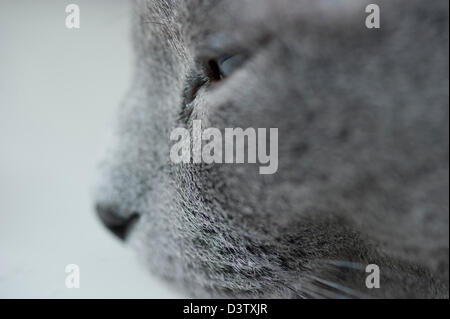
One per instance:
(363, 148)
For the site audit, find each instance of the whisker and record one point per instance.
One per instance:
(350, 292)
(344, 264)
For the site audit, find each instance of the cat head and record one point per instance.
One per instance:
(362, 122)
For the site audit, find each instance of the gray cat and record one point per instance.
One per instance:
(363, 123)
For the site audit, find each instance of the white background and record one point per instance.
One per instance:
(59, 90)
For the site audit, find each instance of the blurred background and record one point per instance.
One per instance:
(59, 90)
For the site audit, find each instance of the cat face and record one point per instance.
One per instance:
(362, 119)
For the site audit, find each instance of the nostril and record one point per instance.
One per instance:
(118, 225)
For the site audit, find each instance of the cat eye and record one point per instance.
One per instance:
(225, 65)
(229, 63)
(216, 70)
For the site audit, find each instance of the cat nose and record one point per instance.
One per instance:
(117, 224)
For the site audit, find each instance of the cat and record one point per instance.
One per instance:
(362, 117)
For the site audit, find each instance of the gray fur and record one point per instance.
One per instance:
(363, 149)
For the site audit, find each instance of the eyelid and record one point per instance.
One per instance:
(219, 43)
(193, 85)
(225, 57)
(194, 82)
(229, 63)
